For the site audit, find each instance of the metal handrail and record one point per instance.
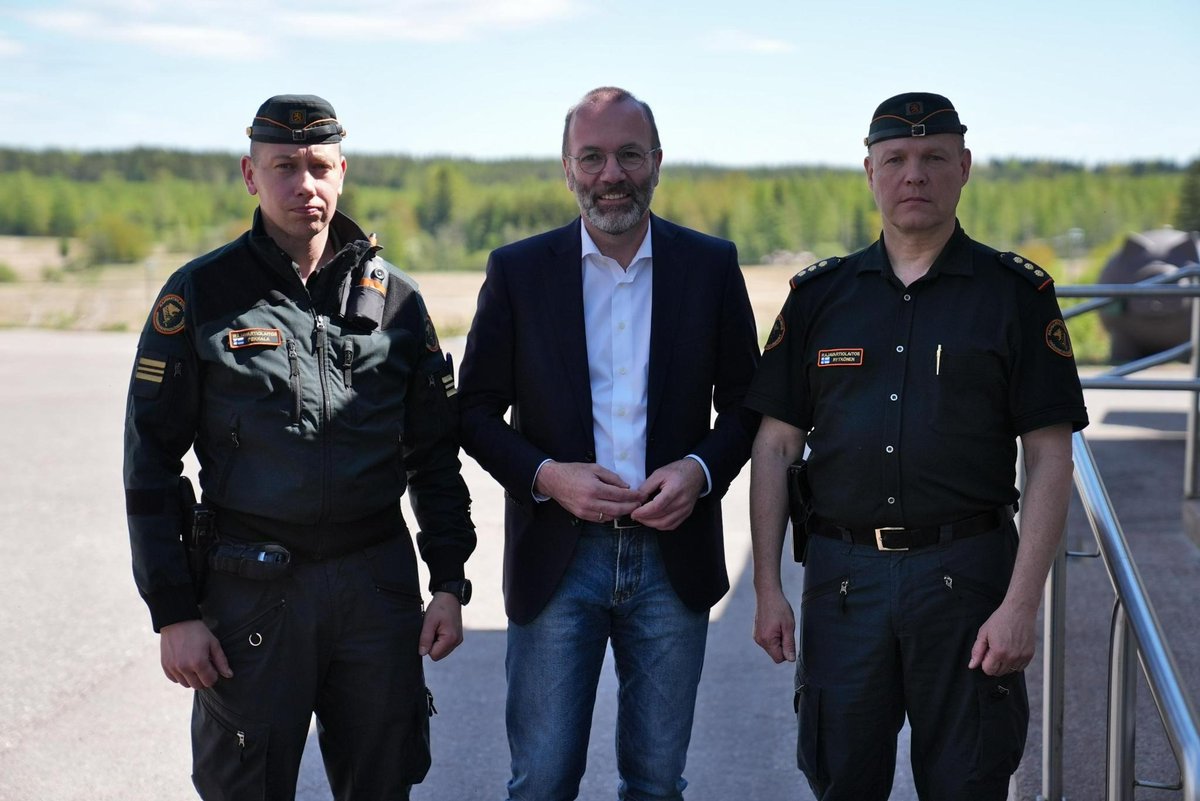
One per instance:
(1136, 633)
(1135, 612)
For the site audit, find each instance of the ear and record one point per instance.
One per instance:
(966, 165)
(342, 182)
(248, 175)
(566, 162)
(870, 171)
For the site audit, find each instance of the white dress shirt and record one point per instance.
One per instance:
(617, 307)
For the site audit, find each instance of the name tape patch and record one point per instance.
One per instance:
(840, 357)
(255, 338)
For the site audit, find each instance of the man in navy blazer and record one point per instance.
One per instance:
(612, 340)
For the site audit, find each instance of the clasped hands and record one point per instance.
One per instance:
(594, 493)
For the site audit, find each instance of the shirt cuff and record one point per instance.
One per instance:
(707, 475)
(537, 496)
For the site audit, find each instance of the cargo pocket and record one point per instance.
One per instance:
(229, 758)
(807, 703)
(1003, 722)
(415, 754)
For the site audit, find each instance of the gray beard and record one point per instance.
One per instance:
(618, 222)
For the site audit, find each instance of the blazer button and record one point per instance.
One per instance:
(589, 456)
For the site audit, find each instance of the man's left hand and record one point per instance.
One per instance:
(442, 630)
(674, 489)
(1005, 643)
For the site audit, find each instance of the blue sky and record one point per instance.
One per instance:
(731, 83)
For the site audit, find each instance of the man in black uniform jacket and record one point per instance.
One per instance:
(307, 376)
(910, 369)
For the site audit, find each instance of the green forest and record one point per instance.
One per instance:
(446, 214)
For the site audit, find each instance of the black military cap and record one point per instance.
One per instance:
(913, 114)
(296, 119)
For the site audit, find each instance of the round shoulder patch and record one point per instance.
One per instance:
(168, 315)
(777, 332)
(1058, 339)
(431, 337)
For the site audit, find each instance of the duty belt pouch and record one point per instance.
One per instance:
(799, 507)
(259, 561)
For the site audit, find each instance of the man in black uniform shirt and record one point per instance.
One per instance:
(307, 376)
(910, 369)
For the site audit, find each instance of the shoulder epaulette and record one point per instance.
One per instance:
(1034, 274)
(824, 265)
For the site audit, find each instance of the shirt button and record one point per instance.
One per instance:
(621, 412)
(889, 449)
(623, 455)
(895, 396)
(622, 371)
(908, 297)
(621, 326)
(891, 500)
(899, 349)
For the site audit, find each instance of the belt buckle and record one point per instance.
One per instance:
(616, 523)
(879, 538)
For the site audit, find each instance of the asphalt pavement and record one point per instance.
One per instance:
(86, 713)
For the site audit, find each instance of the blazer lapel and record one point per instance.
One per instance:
(669, 286)
(562, 279)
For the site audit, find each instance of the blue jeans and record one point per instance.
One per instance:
(615, 589)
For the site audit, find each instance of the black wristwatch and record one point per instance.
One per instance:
(459, 588)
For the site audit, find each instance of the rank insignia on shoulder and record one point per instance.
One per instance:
(813, 269)
(167, 317)
(1034, 274)
(448, 385)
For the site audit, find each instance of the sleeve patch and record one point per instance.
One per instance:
(777, 332)
(1034, 274)
(168, 315)
(813, 269)
(1058, 339)
(148, 374)
(431, 337)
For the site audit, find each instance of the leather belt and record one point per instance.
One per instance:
(619, 524)
(894, 538)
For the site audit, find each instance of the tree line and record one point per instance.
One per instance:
(448, 213)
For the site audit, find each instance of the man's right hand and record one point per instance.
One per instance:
(775, 626)
(191, 655)
(590, 492)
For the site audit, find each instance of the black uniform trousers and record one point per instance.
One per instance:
(337, 637)
(885, 634)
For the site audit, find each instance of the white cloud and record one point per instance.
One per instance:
(243, 30)
(10, 48)
(732, 41)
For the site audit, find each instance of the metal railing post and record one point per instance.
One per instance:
(1054, 627)
(1122, 707)
(1191, 464)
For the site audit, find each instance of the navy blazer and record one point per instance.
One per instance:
(527, 351)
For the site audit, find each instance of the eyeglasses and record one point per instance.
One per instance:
(629, 159)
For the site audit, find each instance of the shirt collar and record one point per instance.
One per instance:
(590, 248)
(875, 258)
